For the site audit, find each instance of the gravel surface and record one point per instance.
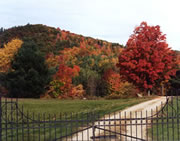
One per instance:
(141, 110)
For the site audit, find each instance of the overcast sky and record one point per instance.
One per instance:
(111, 20)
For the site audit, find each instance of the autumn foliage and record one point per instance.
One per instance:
(118, 88)
(62, 82)
(77, 63)
(81, 66)
(113, 80)
(147, 61)
(7, 54)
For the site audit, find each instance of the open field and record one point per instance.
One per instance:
(54, 106)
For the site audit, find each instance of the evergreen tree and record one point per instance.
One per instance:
(29, 75)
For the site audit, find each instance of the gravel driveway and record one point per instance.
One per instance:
(138, 131)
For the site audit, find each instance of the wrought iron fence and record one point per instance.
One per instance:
(161, 123)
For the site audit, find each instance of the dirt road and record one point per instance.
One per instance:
(138, 131)
(143, 110)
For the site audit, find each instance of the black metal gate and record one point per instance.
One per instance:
(159, 124)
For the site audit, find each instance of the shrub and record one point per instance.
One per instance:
(127, 90)
(77, 92)
(54, 88)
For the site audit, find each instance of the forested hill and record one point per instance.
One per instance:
(73, 66)
(52, 39)
(37, 60)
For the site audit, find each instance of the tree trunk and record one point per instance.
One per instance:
(149, 92)
(163, 92)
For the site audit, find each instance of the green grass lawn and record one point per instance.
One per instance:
(54, 106)
(167, 126)
(46, 110)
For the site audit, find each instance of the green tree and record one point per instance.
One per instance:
(1, 30)
(175, 81)
(30, 74)
(91, 81)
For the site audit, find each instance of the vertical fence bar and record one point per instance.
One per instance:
(98, 122)
(167, 120)
(110, 135)
(44, 119)
(104, 122)
(49, 125)
(87, 123)
(81, 125)
(55, 126)
(93, 130)
(115, 120)
(157, 123)
(39, 126)
(172, 122)
(11, 122)
(109, 124)
(152, 122)
(22, 117)
(177, 114)
(147, 126)
(125, 125)
(71, 125)
(141, 126)
(33, 127)
(6, 117)
(162, 122)
(120, 125)
(28, 127)
(77, 126)
(16, 120)
(66, 123)
(136, 122)
(131, 124)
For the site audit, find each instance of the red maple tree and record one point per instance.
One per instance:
(147, 60)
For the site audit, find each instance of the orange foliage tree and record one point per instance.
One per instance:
(62, 82)
(118, 88)
(7, 54)
(113, 80)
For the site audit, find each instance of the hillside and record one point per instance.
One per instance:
(84, 60)
(50, 38)
(42, 61)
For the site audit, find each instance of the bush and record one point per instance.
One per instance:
(54, 88)
(77, 91)
(127, 91)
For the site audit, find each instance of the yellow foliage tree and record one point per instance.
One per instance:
(7, 53)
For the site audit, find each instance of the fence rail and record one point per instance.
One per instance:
(159, 124)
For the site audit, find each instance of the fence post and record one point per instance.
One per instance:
(93, 128)
(0, 119)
